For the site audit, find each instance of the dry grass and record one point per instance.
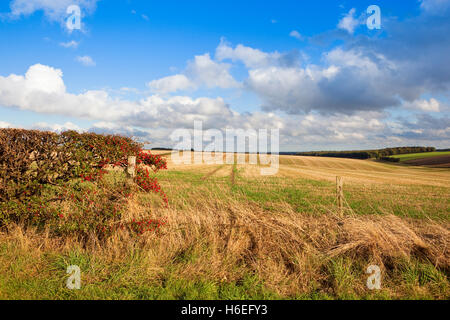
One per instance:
(212, 235)
(226, 240)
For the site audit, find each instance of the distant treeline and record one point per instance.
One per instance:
(390, 159)
(368, 154)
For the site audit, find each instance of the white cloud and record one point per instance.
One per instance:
(57, 127)
(38, 78)
(154, 114)
(69, 44)
(202, 71)
(431, 105)
(354, 59)
(54, 10)
(296, 34)
(171, 84)
(347, 81)
(4, 125)
(318, 129)
(252, 58)
(86, 61)
(42, 90)
(211, 73)
(145, 17)
(348, 22)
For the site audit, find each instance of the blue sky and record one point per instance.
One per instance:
(310, 68)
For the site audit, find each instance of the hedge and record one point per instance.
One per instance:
(31, 161)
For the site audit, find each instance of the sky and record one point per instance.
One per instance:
(316, 70)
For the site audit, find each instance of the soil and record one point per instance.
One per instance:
(438, 162)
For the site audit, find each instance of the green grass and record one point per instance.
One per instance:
(301, 194)
(314, 197)
(44, 277)
(414, 156)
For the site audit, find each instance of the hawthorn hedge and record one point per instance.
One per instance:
(33, 161)
(32, 158)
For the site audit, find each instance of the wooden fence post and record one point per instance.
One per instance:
(340, 192)
(131, 170)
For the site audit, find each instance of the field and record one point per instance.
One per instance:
(428, 159)
(234, 234)
(416, 156)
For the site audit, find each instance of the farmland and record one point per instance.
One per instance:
(415, 156)
(234, 234)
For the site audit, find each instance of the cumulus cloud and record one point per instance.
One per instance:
(252, 58)
(171, 84)
(318, 114)
(364, 74)
(38, 78)
(364, 130)
(154, 118)
(314, 129)
(202, 71)
(86, 61)
(42, 90)
(347, 82)
(211, 73)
